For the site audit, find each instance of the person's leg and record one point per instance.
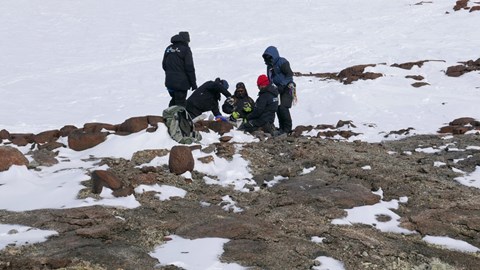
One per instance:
(283, 112)
(172, 95)
(180, 98)
(248, 127)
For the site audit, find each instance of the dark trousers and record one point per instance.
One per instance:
(283, 112)
(179, 98)
(251, 126)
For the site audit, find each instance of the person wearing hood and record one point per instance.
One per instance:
(239, 105)
(263, 114)
(280, 73)
(179, 69)
(206, 98)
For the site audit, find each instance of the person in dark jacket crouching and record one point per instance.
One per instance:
(263, 114)
(206, 98)
(239, 106)
(179, 69)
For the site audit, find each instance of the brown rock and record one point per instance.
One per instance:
(206, 159)
(51, 146)
(460, 4)
(47, 136)
(462, 121)
(415, 77)
(21, 139)
(219, 127)
(97, 127)
(145, 179)
(11, 156)
(474, 8)
(456, 71)
(80, 141)
(155, 119)
(123, 192)
(180, 160)
(446, 129)
(66, 130)
(225, 138)
(134, 124)
(102, 179)
(4, 134)
(419, 84)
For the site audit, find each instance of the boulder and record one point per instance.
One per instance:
(46, 136)
(4, 134)
(97, 127)
(80, 141)
(102, 178)
(134, 124)
(219, 127)
(66, 130)
(180, 160)
(21, 139)
(11, 156)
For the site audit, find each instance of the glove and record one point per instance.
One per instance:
(194, 86)
(291, 87)
(247, 107)
(235, 115)
(219, 118)
(230, 100)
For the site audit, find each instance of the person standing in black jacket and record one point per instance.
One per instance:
(206, 98)
(179, 69)
(263, 114)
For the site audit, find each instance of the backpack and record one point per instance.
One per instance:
(180, 125)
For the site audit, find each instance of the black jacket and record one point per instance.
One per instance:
(178, 64)
(206, 98)
(265, 107)
(238, 105)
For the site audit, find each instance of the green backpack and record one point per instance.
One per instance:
(180, 125)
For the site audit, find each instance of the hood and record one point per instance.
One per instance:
(273, 52)
(181, 37)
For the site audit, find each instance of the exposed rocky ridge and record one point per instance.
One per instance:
(274, 230)
(357, 72)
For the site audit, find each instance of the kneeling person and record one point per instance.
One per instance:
(206, 98)
(240, 105)
(263, 114)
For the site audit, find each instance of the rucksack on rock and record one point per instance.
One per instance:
(180, 125)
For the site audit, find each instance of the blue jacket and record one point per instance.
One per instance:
(278, 71)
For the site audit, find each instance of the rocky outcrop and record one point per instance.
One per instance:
(459, 70)
(460, 126)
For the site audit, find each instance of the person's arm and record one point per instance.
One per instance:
(190, 69)
(285, 68)
(258, 109)
(227, 107)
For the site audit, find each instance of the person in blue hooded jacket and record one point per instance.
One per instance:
(179, 69)
(280, 74)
